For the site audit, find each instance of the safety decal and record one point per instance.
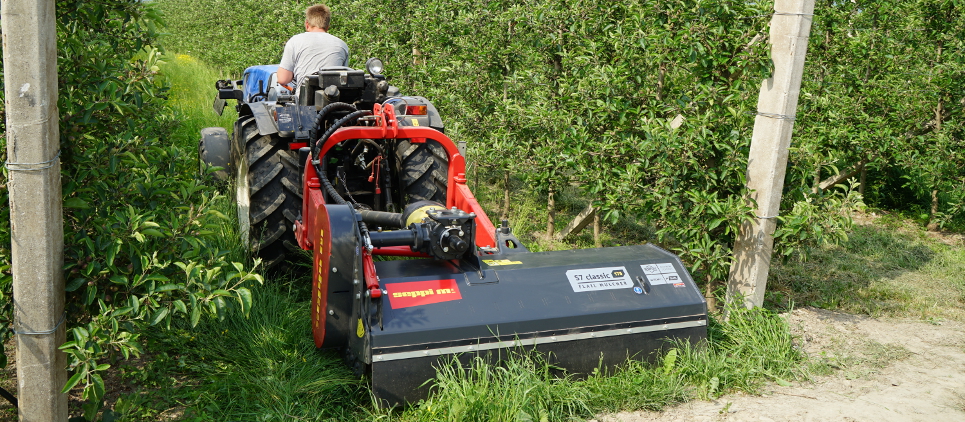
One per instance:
(417, 293)
(415, 122)
(496, 262)
(360, 330)
(661, 274)
(592, 279)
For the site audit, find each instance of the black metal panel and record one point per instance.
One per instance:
(342, 78)
(297, 119)
(263, 112)
(533, 296)
(344, 266)
(531, 299)
(402, 381)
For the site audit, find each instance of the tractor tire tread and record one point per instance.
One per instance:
(274, 197)
(423, 170)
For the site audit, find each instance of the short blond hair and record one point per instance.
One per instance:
(318, 16)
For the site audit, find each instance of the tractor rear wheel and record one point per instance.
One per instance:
(267, 190)
(423, 169)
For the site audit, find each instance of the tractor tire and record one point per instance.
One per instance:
(268, 193)
(423, 170)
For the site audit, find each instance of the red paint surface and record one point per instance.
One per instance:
(417, 293)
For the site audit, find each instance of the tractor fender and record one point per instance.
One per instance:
(263, 112)
(214, 150)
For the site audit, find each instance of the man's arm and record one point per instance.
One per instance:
(284, 76)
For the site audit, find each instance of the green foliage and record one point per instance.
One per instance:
(562, 93)
(883, 84)
(144, 242)
(892, 268)
(823, 220)
(260, 367)
(192, 89)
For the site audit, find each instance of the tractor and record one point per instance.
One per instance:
(352, 171)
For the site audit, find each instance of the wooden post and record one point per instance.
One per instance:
(767, 163)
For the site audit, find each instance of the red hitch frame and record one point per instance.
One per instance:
(312, 230)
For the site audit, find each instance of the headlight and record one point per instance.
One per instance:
(373, 66)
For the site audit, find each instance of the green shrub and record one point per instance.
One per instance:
(144, 243)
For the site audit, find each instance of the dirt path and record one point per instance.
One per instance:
(885, 370)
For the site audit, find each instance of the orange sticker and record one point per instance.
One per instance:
(417, 293)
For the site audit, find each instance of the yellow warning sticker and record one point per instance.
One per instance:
(495, 262)
(415, 122)
(360, 331)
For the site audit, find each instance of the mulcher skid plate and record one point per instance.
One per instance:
(581, 308)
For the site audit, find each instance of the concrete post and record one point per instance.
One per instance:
(777, 104)
(36, 217)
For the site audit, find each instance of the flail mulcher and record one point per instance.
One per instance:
(349, 169)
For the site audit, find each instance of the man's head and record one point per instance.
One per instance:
(318, 16)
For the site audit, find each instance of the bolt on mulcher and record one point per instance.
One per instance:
(348, 168)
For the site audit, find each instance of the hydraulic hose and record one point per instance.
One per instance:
(350, 117)
(319, 164)
(382, 218)
(320, 120)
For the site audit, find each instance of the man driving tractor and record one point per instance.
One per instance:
(311, 50)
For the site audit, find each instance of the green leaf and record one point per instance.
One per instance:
(76, 202)
(159, 316)
(90, 294)
(221, 306)
(75, 284)
(244, 298)
(74, 380)
(153, 232)
(195, 315)
(98, 384)
(119, 279)
(180, 306)
(167, 288)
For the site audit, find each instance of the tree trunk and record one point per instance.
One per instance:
(596, 230)
(932, 223)
(709, 295)
(551, 211)
(505, 215)
(862, 180)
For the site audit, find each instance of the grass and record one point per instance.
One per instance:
(889, 268)
(265, 367)
(192, 96)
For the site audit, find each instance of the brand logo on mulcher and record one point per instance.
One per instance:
(417, 293)
(592, 279)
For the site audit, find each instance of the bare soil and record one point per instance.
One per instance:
(880, 370)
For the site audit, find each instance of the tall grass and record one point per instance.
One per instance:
(265, 367)
(192, 97)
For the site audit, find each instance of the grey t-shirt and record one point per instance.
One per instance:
(307, 52)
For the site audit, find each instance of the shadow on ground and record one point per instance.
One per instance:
(846, 277)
